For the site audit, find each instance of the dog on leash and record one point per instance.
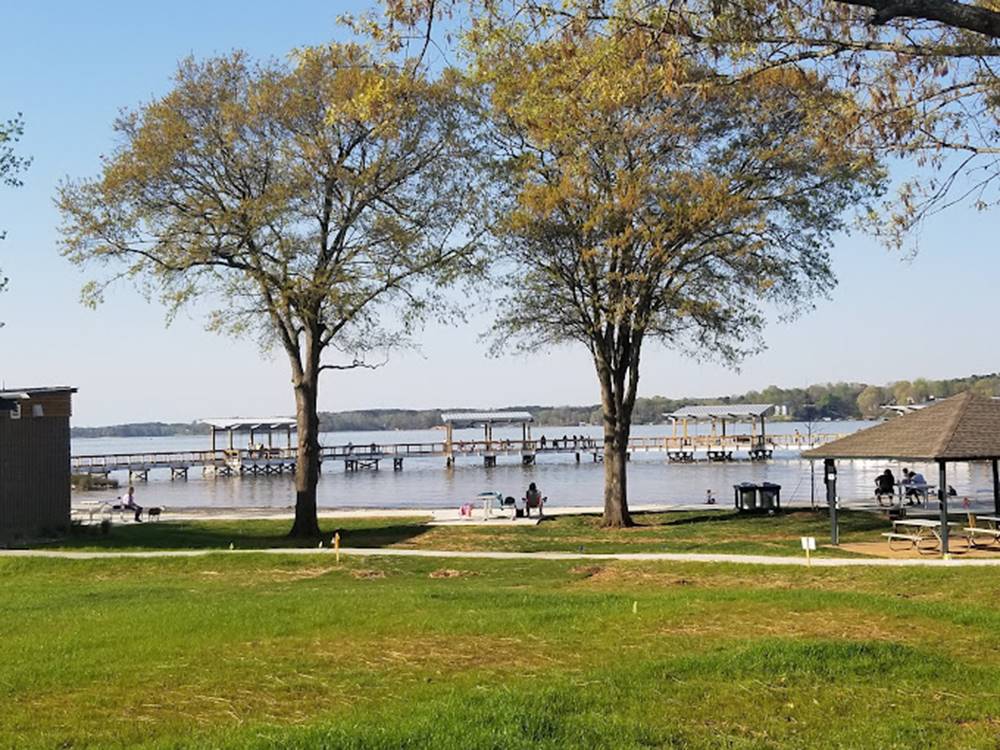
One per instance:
(154, 513)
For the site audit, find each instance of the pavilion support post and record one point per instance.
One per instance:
(830, 477)
(230, 438)
(723, 427)
(288, 435)
(213, 450)
(943, 498)
(251, 438)
(996, 488)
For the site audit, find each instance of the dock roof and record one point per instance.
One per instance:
(722, 411)
(238, 424)
(965, 427)
(478, 418)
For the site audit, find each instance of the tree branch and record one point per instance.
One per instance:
(957, 15)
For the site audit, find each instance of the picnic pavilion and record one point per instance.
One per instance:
(960, 429)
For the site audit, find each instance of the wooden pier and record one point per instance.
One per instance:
(231, 462)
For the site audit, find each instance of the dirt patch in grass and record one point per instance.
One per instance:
(616, 575)
(281, 575)
(363, 574)
(451, 573)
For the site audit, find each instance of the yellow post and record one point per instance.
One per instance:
(336, 544)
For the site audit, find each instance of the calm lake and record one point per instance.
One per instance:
(426, 483)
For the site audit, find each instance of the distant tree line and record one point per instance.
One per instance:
(820, 401)
(142, 429)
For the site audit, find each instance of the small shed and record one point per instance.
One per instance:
(959, 429)
(34, 461)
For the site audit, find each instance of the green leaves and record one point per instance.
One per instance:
(652, 198)
(11, 164)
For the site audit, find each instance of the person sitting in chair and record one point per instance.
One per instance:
(533, 499)
(885, 486)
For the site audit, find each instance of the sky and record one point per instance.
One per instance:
(70, 67)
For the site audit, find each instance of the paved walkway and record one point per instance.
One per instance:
(828, 562)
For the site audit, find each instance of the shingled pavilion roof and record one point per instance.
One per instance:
(965, 427)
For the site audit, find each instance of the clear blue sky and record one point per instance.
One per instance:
(69, 67)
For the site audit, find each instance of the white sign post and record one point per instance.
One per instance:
(809, 545)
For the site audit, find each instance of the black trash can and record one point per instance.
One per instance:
(745, 495)
(770, 497)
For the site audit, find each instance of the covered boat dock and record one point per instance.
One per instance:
(256, 457)
(488, 447)
(722, 445)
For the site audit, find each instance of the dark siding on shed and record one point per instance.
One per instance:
(34, 471)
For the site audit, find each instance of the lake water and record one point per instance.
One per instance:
(426, 483)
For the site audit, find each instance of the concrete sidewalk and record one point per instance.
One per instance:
(485, 555)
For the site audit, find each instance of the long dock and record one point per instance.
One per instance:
(269, 461)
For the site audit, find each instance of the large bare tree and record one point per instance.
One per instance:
(312, 201)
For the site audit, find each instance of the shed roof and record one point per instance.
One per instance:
(476, 418)
(23, 394)
(722, 411)
(965, 427)
(250, 423)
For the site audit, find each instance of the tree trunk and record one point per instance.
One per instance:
(616, 432)
(616, 513)
(307, 455)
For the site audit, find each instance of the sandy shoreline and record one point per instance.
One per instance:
(436, 516)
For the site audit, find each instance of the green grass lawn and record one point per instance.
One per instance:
(713, 531)
(255, 651)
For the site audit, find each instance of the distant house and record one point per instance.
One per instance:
(34, 461)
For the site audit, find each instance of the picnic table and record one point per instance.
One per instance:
(990, 531)
(922, 491)
(921, 534)
(493, 503)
